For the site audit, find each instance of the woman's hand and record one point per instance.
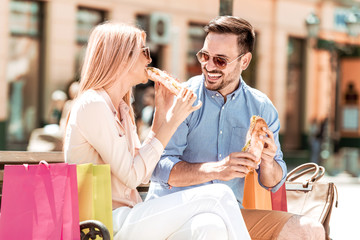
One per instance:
(164, 99)
(182, 106)
(170, 112)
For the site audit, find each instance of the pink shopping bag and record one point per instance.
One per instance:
(40, 202)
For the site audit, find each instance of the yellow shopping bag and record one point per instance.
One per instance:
(255, 196)
(94, 187)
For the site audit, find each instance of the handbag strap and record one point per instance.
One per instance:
(320, 174)
(337, 196)
(309, 167)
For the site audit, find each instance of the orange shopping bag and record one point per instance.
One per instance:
(255, 196)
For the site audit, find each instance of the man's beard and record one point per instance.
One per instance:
(223, 84)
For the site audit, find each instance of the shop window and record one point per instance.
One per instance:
(143, 22)
(196, 36)
(24, 18)
(86, 19)
(23, 75)
(295, 96)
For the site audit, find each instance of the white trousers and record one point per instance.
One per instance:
(207, 212)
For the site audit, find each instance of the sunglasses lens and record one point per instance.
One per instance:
(202, 57)
(205, 57)
(220, 62)
(146, 52)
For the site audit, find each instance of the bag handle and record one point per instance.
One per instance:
(337, 197)
(309, 167)
(321, 173)
(42, 162)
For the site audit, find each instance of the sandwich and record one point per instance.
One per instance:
(254, 144)
(165, 79)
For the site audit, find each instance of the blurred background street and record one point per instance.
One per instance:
(306, 60)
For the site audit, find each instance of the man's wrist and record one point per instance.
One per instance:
(270, 173)
(268, 164)
(211, 170)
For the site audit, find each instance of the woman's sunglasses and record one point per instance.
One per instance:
(219, 62)
(146, 51)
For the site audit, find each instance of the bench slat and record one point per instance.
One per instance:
(13, 157)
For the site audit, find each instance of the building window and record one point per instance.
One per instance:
(295, 96)
(143, 22)
(86, 19)
(196, 36)
(24, 18)
(141, 96)
(23, 75)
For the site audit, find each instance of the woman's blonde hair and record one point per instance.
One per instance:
(112, 50)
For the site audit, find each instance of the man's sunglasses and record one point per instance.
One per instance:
(146, 51)
(219, 62)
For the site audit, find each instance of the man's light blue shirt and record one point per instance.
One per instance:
(214, 131)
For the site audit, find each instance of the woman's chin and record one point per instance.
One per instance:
(145, 80)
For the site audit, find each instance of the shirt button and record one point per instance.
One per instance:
(220, 132)
(222, 107)
(217, 94)
(219, 155)
(212, 96)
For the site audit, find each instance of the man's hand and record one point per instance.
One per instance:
(269, 151)
(236, 165)
(271, 172)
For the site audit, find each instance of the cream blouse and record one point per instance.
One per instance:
(95, 135)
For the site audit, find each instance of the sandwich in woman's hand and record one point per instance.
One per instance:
(254, 144)
(165, 79)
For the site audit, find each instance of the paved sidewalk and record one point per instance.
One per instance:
(344, 222)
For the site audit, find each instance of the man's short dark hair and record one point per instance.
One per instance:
(234, 25)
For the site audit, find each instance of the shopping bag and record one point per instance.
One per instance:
(94, 189)
(279, 200)
(310, 196)
(40, 202)
(255, 196)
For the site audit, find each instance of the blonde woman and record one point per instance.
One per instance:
(101, 130)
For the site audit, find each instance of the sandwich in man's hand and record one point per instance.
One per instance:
(254, 144)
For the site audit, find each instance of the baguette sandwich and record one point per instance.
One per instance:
(254, 144)
(165, 79)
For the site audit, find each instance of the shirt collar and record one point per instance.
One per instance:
(122, 106)
(233, 95)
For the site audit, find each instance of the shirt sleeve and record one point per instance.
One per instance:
(272, 118)
(171, 155)
(98, 126)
